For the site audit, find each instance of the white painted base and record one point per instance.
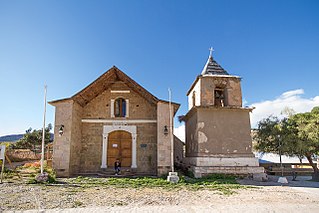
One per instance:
(282, 180)
(221, 161)
(199, 171)
(223, 165)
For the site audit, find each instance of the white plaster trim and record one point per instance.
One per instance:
(113, 121)
(112, 108)
(127, 108)
(104, 151)
(110, 128)
(120, 91)
(224, 76)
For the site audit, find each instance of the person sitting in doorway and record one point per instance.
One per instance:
(117, 167)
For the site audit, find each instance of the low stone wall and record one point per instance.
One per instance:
(17, 155)
(221, 161)
(202, 166)
(234, 170)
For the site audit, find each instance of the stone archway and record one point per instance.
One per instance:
(107, 132)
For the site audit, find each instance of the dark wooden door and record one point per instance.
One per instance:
(119, 147)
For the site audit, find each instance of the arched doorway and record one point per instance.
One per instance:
(119, 147)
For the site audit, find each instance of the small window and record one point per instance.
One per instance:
(120, 107)
(219, 97)
(194, 98)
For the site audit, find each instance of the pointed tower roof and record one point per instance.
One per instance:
(212, 67)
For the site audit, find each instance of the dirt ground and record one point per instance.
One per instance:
(296, 196)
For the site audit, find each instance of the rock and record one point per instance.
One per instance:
(173, 177)
(261, 177)
(282, 180)
(41, 178)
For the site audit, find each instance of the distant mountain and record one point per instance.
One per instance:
(11, 138)
(14, 138)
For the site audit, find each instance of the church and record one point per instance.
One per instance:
(115, 118)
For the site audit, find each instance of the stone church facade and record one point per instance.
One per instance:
(112, 118)
(217, 126)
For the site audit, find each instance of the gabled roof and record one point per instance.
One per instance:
(110, 77)
(213, 68)
(105, 81)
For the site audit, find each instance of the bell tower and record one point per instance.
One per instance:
(217, 126)
(215, 87)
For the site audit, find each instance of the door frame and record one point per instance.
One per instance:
(107, 129)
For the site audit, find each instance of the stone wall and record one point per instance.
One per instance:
(79, 149)
(191, 133)
(100, 107)
(76, 136)
(223, 161)
(163, 141)
(146, 150)
(91, 147)
(200, 171)
(62, 144)
(204, 91)
(231, 85)
(178, 150)
(17, 155)
(223, 131)
(195, 94)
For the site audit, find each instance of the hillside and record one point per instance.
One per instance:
(10, 138)
(14, 138)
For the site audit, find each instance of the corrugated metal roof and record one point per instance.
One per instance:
(274, 158)
(213, 68)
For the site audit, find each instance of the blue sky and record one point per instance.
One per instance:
(272, 45)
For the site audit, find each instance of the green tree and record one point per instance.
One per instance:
(297, 135)
(32, 139)
(306, 127)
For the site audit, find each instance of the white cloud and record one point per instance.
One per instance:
(291, 99)
(180, 132)
(292, 93)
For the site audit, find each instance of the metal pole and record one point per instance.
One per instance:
(171, 128)
(282, 171)
(43, 130)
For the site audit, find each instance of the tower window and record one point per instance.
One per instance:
(120, 107)
(219, 97)
(194, 98)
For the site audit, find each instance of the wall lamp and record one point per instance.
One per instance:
(61, 130)
(165, 130)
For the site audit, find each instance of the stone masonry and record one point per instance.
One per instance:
(217, 126)
(80, 148)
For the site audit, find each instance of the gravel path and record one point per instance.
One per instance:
(268, 197)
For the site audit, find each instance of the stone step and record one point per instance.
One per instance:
(116, 176)
(106, 174)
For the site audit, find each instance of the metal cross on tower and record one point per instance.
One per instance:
(211, 50)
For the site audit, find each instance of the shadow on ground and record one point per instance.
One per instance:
(301, 181)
